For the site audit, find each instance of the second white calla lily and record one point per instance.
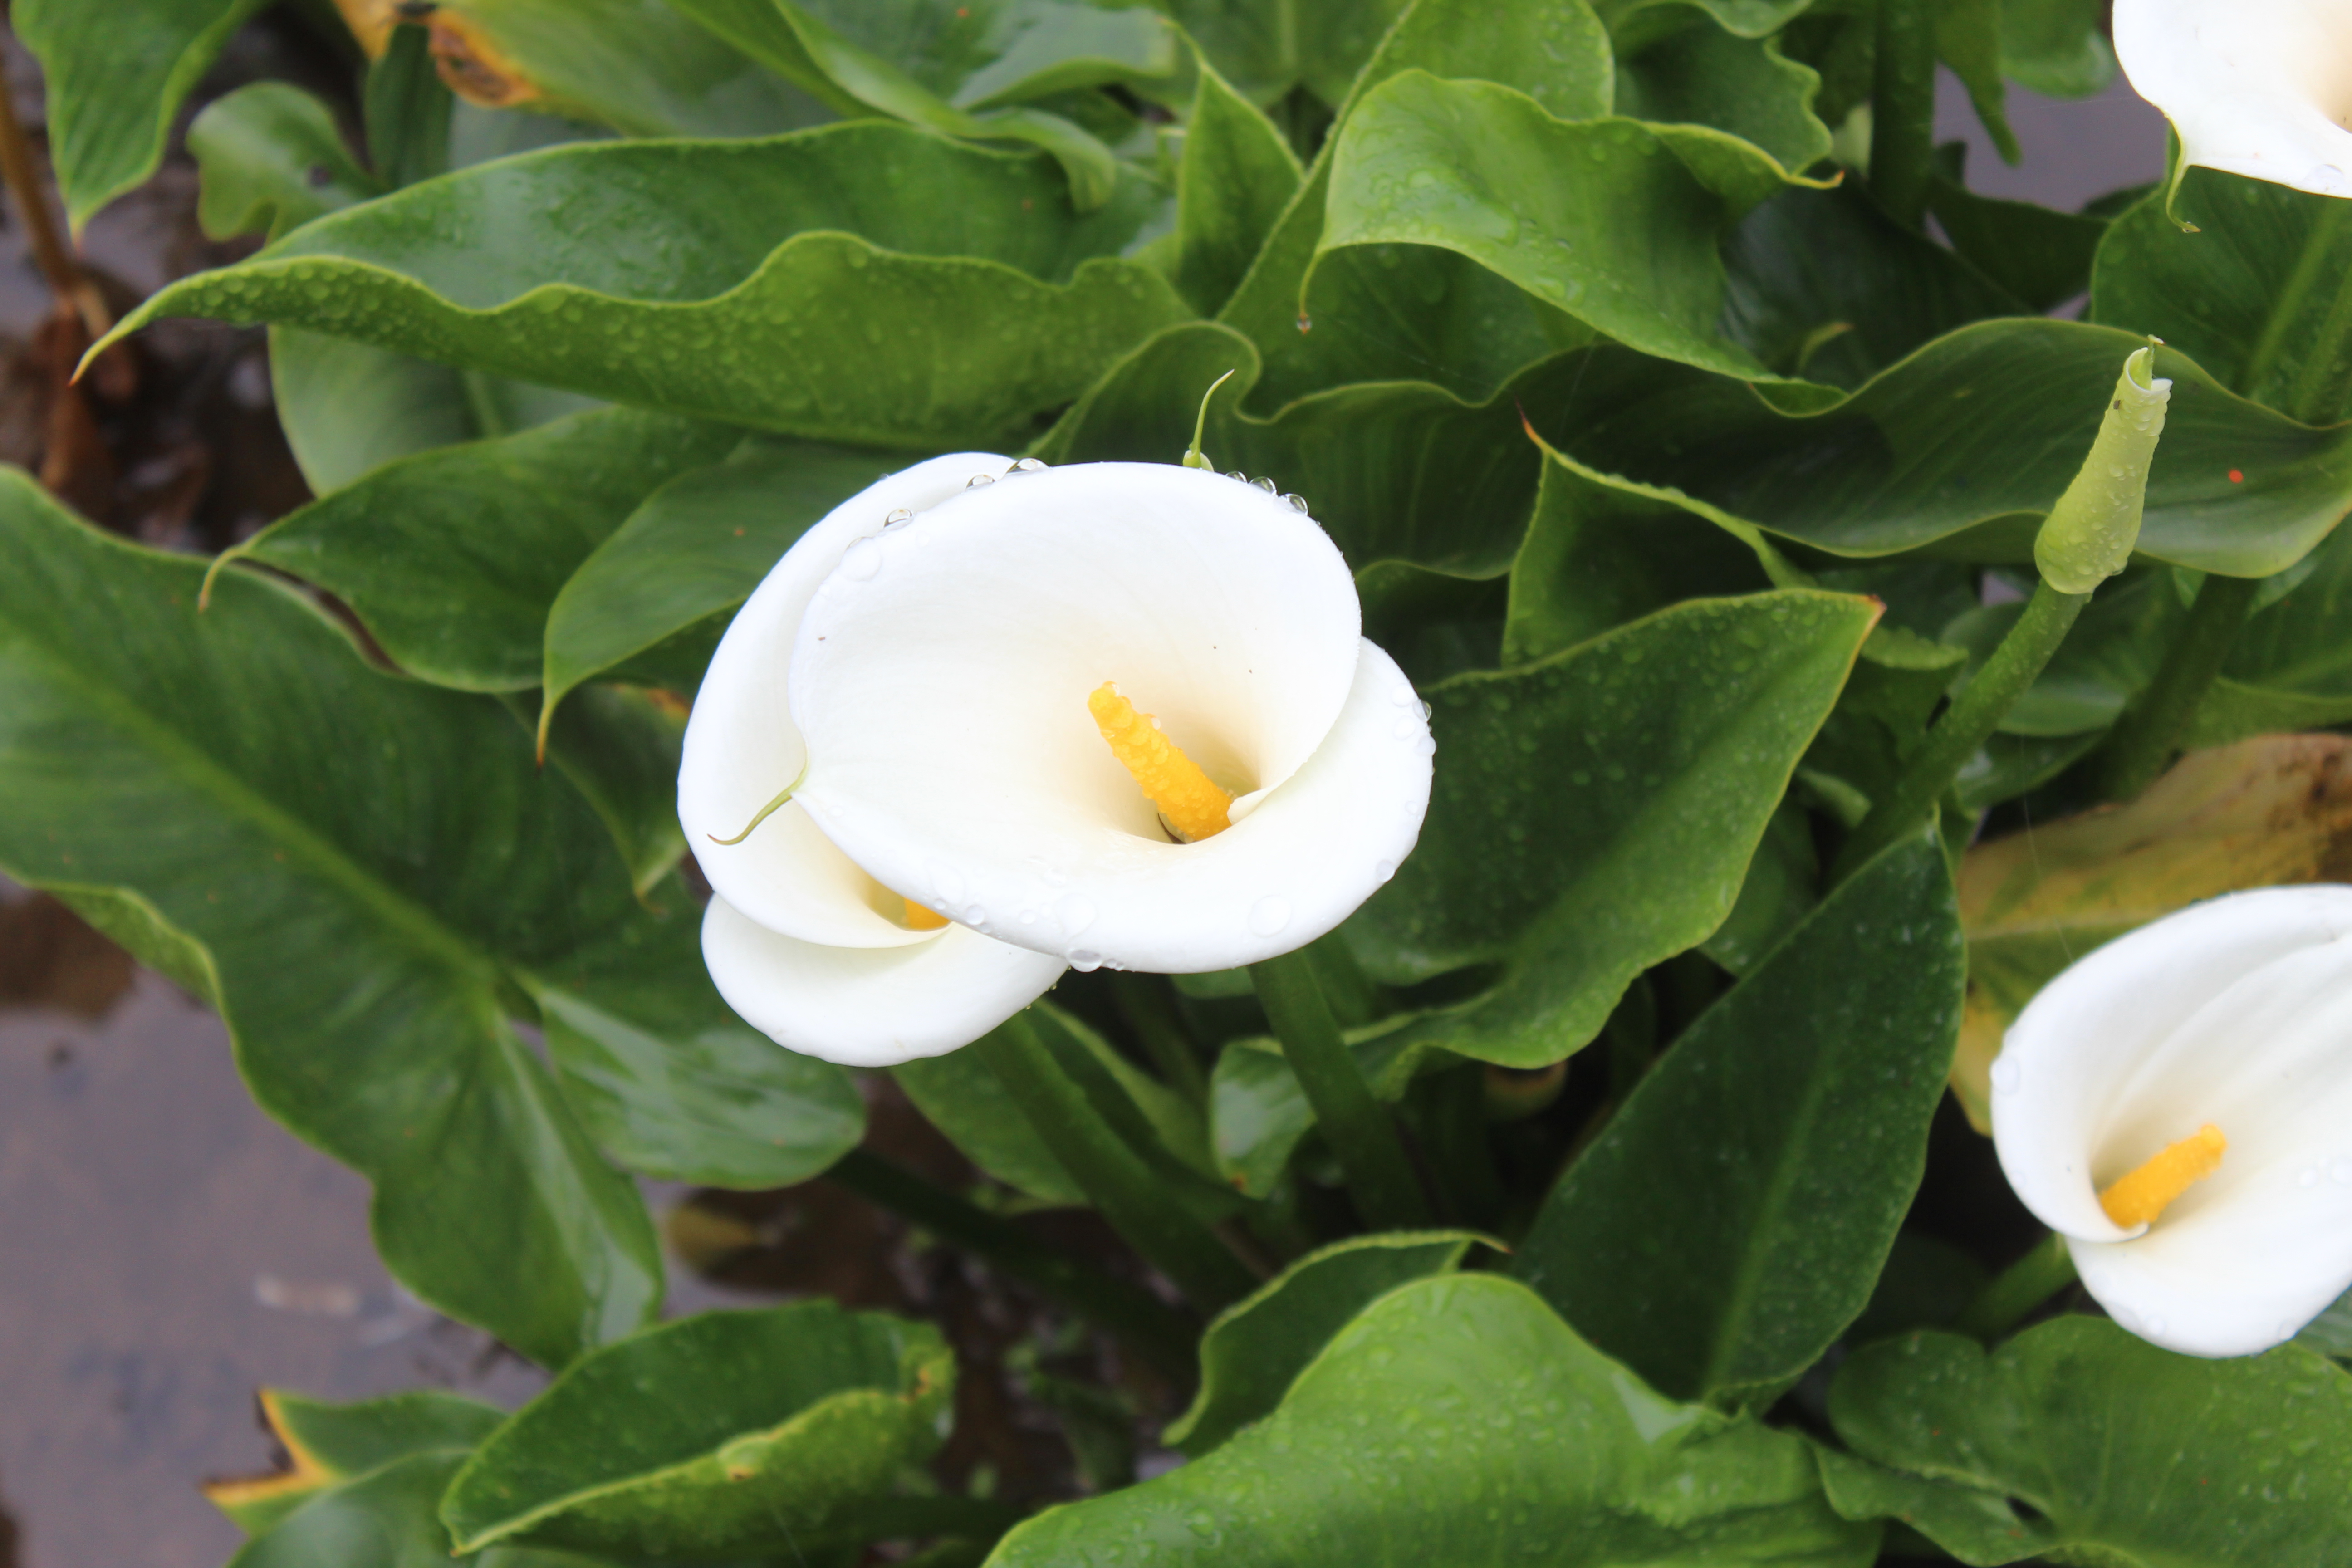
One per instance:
(2178, 1106)
(936, 670)
(2258, 88)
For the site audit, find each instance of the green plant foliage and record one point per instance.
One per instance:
(271, 159)
(1237, 175)
(246, 760)
(1722, 1276)
(2056, 47)
(385, 1518)
(1459, 1420)
(1267, 49)
(1959, 450)
(731, 1433)
(1257, 1347)
(1704, 75)
(327, 1444)
(994, 310)
(652, 599)
(2079, 1442)
(116, 76)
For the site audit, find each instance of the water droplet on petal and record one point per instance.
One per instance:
(947, 882)
(1075, 912)
(861, 561)
(1269, 915)
(1383, 869)
(1295, 504)
(1026, 466)
(976, 916)
(1082, 961)
(1268, 485)
(978, 479)
(1401, 693)
(897, 519)
(1426, 746)
(1406, 730)
(2325, 179)
(2005, 1074)
(1238, 477)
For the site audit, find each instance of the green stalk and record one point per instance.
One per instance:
(2143, 740)
(2019, 1289)
(1143, 1003)
(1964, 726)
(1902, 109)
(1149, 1326)
(1380, 1178)
(1117, 1181)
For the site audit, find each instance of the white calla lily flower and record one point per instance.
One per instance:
(2178, 1105)
(947, 672)
(2258, 88)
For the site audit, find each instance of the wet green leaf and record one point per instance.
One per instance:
(453, 558)
(1958, 451)
(671, 1083)
(1237, 175)
(116, 76)
(2056, 47)
(358, 860)
(382, 1520)
(1731, 1220)
(958, 1095)
(656, 594)
(1701, 74)
(271, 158)
(1458, 1420)
(731, 1433)
(327, 1444)
(2079, 1442)
(1266, 50)
(2038, 254)
(1257, 1347)
(865, 282)
(620, 748)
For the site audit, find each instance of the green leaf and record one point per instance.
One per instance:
(656, 594)
(1602, 804)
(1237, 175)
(1628, 246)
(453, 558)
(1258, 1110)
(326, 1445)
(958, 1095)
(2078, 1441)
(1596, 557)
(405, 110)
(864, 282)
(1779, 892)
(1458, 1420)
(1731, 1220)
(1257, 1347)
(1266, 50)
(1824, 284)
(731, 1433)
(2056, 47)
(2248, 296)
(1701, 74)
(360, 860)
(1960, 451)
(2040, 255)
(671, 1083)
(116, 76)
(270, 159)
(1374, 304)
(1968, 40)
(383, 1519)
(620, 748)
(2112, 653)
(2294, 651)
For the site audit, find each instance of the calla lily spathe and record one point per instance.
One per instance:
(921, 662)
(2229, 1021)
(2259, 87)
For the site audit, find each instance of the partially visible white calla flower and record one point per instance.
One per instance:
(807, 947)
(2259, 87)
(2228, 1023)
(936, 686)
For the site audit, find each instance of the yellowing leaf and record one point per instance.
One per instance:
(2273, 810)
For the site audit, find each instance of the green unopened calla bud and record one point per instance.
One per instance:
(2091, 532)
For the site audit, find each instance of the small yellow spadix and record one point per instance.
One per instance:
(1193, 806)
(2147, 1192)
(922, 919)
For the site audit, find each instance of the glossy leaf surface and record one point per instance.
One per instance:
(1466, 1423)
(1731, 1220)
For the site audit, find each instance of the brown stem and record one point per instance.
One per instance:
(67, 281)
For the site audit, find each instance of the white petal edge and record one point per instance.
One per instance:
(2253, 86)
(742, 748)
(943, 682)
(1306, 859)
(869, 1007)
(2066, 1062)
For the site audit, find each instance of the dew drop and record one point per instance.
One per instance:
(1082, 961)
(861, 561)
(1383, 869)
(1297, 503)
(947, 882)
(1027, 465)
(1268, 485)
(1426, 746)
(2325, 179)
(1406, 730)
(1401, 693)
(1074, 912)
(897, 519)
(1237, 477)
(2005, 1074)
(1269, 915)
(976, 916)
(979, 479)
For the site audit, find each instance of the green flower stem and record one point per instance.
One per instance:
(1964, 727)
(1902, 109)
(1462, 1145)
(1380, 1178)
(1138, 1206)
(2145, 738)
(2019, 1289)
(1149, 1326)
(1143, 1002)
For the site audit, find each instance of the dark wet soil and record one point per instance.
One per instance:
(165, 1249)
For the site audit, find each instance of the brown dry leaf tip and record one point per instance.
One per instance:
(473, 67)
(303, 1471)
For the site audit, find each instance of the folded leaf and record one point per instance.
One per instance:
(326, 1445)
